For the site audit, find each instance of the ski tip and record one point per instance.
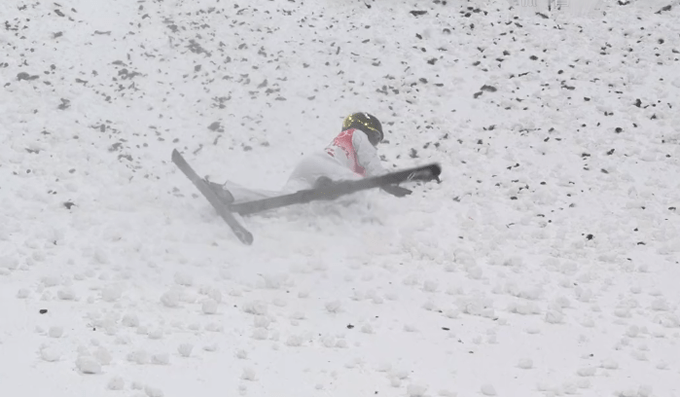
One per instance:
(175, 154)
(245, 237)
(431, 172)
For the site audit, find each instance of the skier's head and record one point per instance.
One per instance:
(367, 123)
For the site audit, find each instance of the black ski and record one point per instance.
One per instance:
(222, 209)
(338, 189)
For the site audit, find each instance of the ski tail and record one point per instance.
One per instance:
(222, 209)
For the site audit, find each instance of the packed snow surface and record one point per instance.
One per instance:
(544, 264)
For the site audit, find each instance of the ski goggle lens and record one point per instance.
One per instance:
(376, 137)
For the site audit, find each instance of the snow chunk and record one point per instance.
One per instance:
(153, 392)
(160, 359)
(138, 356)
(184, 279)
(88, 365)
(429, 306)
(116, 383)
(430, 286)
(667, 320)
(112, 293)
(130, 320)
(49, 354)
(642, 391)
(415, 390)
(633, 331)
(660, 304)
(255, 307)
(452, 313)
(554, 317)
(215, 295)
(569, 388)
(103, 356)
(622, 313)
(584, 295)
(609, 364)
(475, 272)
(260, 334)
(294, 341)
(561, 303)
(524, 309)
(588, 371)
(194, 326)
(171, 298)
(55, 332)
(66, 294)
(249, 374)
(210, 347)
(241, 354)
(9, 262)
(156, 334)
(214, 327)
(274, 281)
(185, 349)
(100, 256)
(533, 330)
(383, 367)
(488, 390)
(525, 363)
(209, 306)
(280, 302)
(400, 374)
(645, 391)
(261, 322)
(298, 316)
(334, 307)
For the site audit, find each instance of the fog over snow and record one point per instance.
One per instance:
(546, 263)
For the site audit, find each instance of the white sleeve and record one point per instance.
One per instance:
(367, 154)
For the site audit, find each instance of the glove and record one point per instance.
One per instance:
(396, 190)
(323, 181)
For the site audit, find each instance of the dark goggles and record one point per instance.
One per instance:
(375, 136)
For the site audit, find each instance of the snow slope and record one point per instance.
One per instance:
(545, 264)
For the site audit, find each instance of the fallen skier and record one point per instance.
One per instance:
(348, 165)
(352, 155)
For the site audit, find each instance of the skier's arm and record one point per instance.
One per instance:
(367, 155)
(368, 158)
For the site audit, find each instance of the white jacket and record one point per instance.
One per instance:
(350, 156)
(352, 149)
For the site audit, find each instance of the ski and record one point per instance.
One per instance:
(338, 189)
(222, 209)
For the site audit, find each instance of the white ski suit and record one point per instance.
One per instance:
(350, 156)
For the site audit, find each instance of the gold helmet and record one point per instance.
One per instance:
(367, 123)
